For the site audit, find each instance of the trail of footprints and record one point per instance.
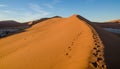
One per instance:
(97, 55)
(69, 48)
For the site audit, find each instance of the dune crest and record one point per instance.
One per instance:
(56, 43)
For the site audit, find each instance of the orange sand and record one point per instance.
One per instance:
(57, 43)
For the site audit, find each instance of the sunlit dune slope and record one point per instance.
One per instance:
(57, 43)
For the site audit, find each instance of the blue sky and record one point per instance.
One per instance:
(27, 10)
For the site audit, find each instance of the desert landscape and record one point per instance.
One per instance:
(60, 43)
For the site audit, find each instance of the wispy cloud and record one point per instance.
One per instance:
(48, 5)
(37, 9)
(56, 1)
(32, 12)
(3, 5)
(90, 0)
(51, 4)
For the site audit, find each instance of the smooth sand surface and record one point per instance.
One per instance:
(57, 43)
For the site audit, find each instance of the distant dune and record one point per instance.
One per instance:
(10, 23)
(116, 21)
(61, 43)
(11, 27)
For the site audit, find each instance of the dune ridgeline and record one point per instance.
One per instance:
(60, 43)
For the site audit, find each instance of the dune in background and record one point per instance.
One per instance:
(60, 43)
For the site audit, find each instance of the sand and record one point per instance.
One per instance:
(111, 47)
(57, 43)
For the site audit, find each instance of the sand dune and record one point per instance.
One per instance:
(56, 43)
(111, 43)
(11, 27)
(116, 21)
(11, 23)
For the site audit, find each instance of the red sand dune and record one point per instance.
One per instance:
(116, 21)
(60, 43)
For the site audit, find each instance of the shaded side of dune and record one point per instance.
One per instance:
(109, 25)
(112, 47)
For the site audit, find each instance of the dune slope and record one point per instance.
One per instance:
(112, 47)
(57, 43)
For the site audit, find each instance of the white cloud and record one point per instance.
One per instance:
(3, 5)
(48, 5)
(56, 1)
(33, 12)
(52, 3)
(36, 8)
(90, 0)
